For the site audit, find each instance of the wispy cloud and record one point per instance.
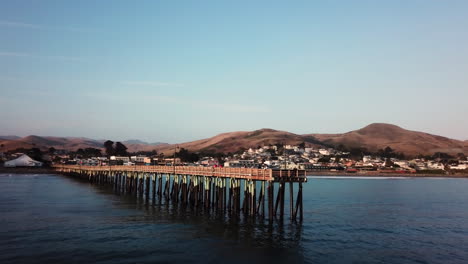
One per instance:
(196, 103)
(238, 108)
(200, 104)
(153, 84)
(28, 55)
(149, 98)
(42, 27)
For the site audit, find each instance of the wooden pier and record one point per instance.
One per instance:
(234, 191)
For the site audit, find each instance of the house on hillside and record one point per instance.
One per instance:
(459, 167)
(23, 161)
(241, 164)
(209, 162)
(120, 158)
(140, 160)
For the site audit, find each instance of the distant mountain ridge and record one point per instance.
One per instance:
(66, 143)
(372, 137)
(140, 142)
(380, 135)
(8, 137)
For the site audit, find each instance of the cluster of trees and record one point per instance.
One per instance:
(354, 152)
(118, 149)
(389, 153)
(87, 153)
(359, 152)
(187, 156)
(217, 155)
(34, 153)
(445, 158)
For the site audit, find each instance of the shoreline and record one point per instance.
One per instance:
(383, 175)
(45, 170)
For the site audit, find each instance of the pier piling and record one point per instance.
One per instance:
(220, 190)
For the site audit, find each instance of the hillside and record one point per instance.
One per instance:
(140, 142)
(372, 137)
(8, 137)
(66, 143)
(45, 143)
(378, 136)
(235, 141)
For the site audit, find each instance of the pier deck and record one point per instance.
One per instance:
(237, 173)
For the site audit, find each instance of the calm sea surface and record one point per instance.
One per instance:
(54, 219)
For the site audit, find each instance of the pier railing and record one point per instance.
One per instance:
(237, 173)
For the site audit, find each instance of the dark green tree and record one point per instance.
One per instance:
(324, 159)
(337, 159)
(80, 153)
(120, 149)
(92, 152)
(109, 146)
(358, 153)
(442, 157)
(389, 163)
(461, 156)
(388, 149)
(187, 156)
(35, 154)
(52, 150)
(271, 151)
(342, 147)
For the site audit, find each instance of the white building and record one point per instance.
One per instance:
(23, 161)
(308, 150)
(140, 159)
(324, 152)
(366, 159)
(240, 163)
(435, 165)
(124, 159)
(403, 164)
(209, 162)
(459, 167)
(232, 164)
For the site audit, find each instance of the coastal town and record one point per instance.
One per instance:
(285, 157)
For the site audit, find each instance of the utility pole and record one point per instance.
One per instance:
(175, 150)
(284, 157)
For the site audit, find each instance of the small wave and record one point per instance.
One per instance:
(33, 175)
(361, 177)
(385, 177)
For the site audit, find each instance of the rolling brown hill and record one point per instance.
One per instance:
(372, 137)
(235, 141)
(379, 136)
(64, 143)
(45, 143)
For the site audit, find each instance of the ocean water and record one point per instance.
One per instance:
(55, 219)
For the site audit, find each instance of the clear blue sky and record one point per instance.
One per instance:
(175, 71)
